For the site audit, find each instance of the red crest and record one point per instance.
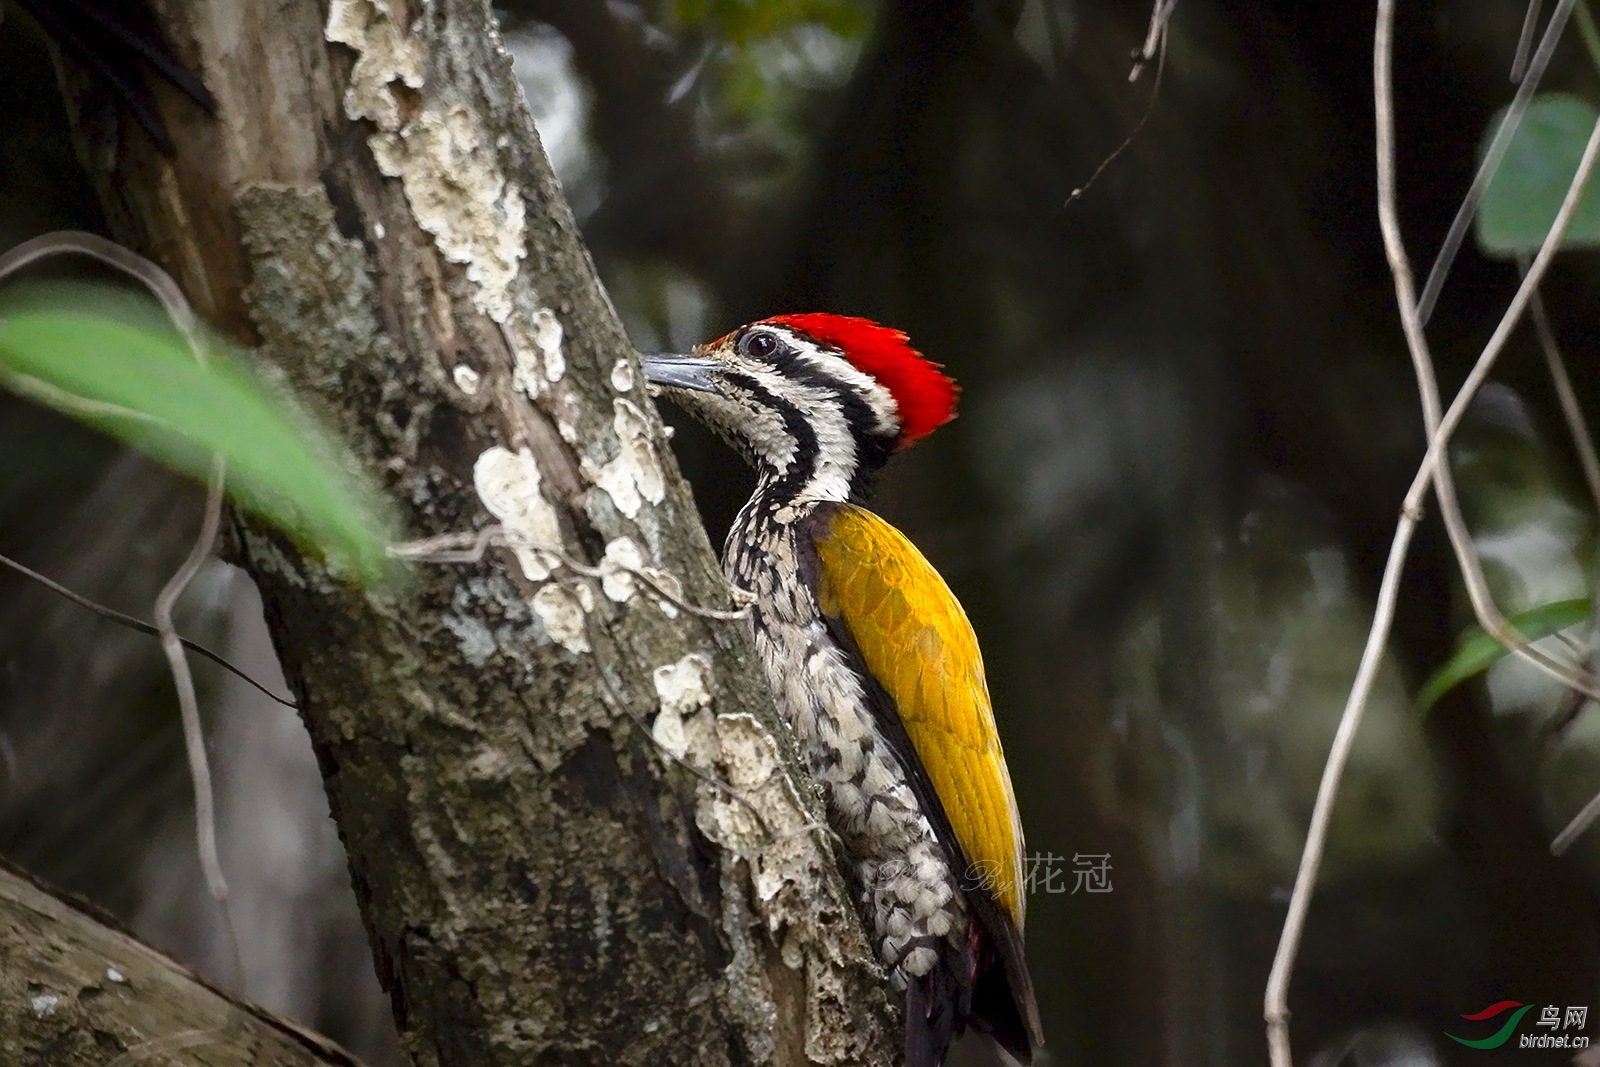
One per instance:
(926, 399)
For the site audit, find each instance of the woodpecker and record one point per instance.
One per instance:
(872, 659)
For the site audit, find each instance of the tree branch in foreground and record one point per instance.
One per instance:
(75, 992)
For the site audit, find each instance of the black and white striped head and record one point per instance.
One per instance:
(816, 402)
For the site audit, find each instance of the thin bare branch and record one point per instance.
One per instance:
(1477, 586)
(1566, 396)
(1276, 1009)
(139, 625)
(1155, 38)
(158, 281)
(1530, 22)
(188, 704)
(1588, 33)
(167, 291)
(1574, 829)
(1491, 160)
(470, 548)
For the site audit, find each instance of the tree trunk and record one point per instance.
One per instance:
(575, 828)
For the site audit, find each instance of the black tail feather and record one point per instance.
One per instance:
(1003, 1004)
(935, 1011)
(995, 1012)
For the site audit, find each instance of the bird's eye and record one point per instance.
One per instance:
(758, 344)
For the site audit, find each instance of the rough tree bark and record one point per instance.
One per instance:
(77, 992)
(524, 762)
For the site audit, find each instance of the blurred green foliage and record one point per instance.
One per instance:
(1527, 190)
(757, 82)
(742, 23)
(1477, 651)
(116, 363)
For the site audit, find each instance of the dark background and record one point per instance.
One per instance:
(1187, 423)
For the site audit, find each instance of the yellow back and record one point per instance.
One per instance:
(919, 646)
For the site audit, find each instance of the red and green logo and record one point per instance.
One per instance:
(1500, 1036)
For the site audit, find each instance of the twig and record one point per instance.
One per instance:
(1569, 713)
(1571, 410)
(1155, 47)
(1530, 22)
(1588, 32)
(188, 704)
(1574, 829)
(1276, 1010)
(470, 548)
(1491, 160)
(1277, 1006)
(1477, 586)
(140, 626)
(1127, 142)
(1583, 444)
(37, 389)
(158, 281)
(1155, 37)
(162, 286)
(166, 1045)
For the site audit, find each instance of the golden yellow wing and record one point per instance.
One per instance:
(916, 642)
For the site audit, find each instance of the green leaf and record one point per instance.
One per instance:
(119, 366)
(1476, 652)
(1526, 192)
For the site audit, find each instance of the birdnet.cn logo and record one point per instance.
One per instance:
(1553, 1029)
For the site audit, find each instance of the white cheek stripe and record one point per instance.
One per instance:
(885, 411)
(836, 446)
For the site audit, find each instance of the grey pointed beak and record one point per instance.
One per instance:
(681, 372)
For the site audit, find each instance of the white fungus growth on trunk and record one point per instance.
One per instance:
(446, 164)
(622, 559)
(622, 376)
(383, 55)
(539, 358)
(682, 689)
(508, 484)
(634, 475)
(562, 614)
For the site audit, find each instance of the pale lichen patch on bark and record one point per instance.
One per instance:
(466, 379)
(477, 640)
(446, 162)
(634, 474)
(778, 868)
(622, 376)
(384, 54)
(508, 484)
(562, 613)
(311, 298)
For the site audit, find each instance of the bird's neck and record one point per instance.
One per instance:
(817, 467)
